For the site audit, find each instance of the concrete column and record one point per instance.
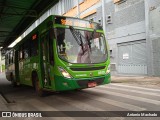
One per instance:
(60, 6)
(148, 40)
(103, 16)
(78, 10)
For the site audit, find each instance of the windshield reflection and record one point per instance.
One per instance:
(80, 46)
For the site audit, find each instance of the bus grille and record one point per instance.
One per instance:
(84, 83)
(87, 68)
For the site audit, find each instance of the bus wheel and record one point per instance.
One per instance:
(39, 91)
(13, 83)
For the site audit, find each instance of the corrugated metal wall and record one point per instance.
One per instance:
(155, 35)
(132, 58)
(68, 4)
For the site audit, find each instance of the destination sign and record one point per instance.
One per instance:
(76, 22)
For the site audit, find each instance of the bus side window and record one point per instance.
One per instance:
(18, 54)
(21, 53)
(9, 61)
(11, 57)
(6, 59)
(34, 47)
(27, 49)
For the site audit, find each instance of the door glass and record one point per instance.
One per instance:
(45, 57)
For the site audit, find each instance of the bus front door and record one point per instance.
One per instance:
(45, 63)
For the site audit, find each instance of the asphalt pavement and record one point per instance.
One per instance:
(144, 81)
(124, 93)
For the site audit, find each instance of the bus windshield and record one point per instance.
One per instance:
(80, 46)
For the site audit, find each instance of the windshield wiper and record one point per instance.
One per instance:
(92, 36)
(78, 37)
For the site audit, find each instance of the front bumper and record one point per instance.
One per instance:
(63, 84)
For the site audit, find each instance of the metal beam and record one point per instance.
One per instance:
(40, 6)
(23, 11)
(4, 31)
(2, 9)
(18, 14)
(8, 36)
(13, 7)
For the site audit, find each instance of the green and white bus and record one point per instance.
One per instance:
(62, 53)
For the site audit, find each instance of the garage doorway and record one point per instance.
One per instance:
(132, 58)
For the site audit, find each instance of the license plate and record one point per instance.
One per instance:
(92, 84)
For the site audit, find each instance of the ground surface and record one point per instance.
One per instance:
(130, 94)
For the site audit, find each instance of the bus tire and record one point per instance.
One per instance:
(38, 90)
(13, 83)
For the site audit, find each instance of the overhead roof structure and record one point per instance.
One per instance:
(17, 15)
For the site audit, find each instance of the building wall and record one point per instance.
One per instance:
(126, 24)
(154, 35)
(129, 23)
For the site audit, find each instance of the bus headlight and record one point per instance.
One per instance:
(108, 70)
(64, 72)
